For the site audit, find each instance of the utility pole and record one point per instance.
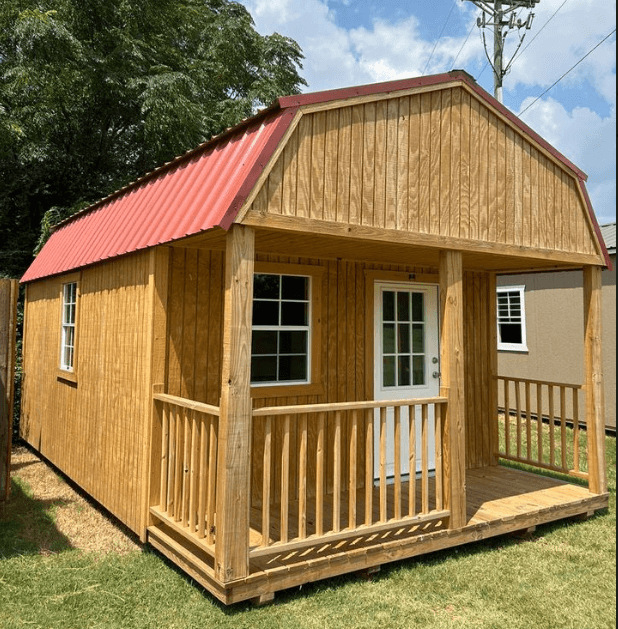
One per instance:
(500, 14)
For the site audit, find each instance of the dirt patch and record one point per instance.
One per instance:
(80, 521)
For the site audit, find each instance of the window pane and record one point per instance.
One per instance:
(388, 339)
(294, 313)
(510, 333)
(418, 368)
(266, 286)
(66, 316)
(292, 342)
(418, 338)
(265, 312)
(403, 306)
(403, 338)
(388, 372)
(418, 309)
(264, 369)
(292, 368)
(264, 342)
(388, 306)
(404, 371)
(295, 287)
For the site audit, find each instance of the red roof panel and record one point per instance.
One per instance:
(191, 194)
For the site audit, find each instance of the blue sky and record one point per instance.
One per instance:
(354, 42)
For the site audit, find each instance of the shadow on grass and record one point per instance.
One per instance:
(27, 526)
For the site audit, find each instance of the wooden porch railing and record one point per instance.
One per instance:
(536, 425)
(306, 497)
(189, 435)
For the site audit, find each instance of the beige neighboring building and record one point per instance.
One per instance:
(540, 318)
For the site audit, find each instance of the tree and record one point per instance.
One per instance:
(94, 94)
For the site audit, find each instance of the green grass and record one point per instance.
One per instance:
(563, 577)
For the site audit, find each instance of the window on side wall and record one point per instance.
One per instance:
(68, 332)
(511, 319)
(285, 352)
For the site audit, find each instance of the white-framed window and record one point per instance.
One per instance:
(511, 319)
(281, 330)
(69, 318)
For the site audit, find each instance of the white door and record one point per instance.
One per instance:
(406, 350)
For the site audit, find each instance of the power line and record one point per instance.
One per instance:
(567, 72)
(439, 37)
(464, 45)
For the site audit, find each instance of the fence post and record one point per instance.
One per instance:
(9, 290)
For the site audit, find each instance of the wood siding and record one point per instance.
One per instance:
(438, 163)
(92, 429)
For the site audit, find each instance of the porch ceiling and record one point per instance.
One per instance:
(326, 246)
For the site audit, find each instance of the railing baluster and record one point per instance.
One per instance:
(563, 435)
(319, 476)
(302, 479)
(397, 487)
(203, 482)
(438, 443)
(212, 471)
(186, 468)
(507, 417)
(552, 437)
(353, 470)
(369, 466)
(425, 457)
(412, 458)
(539, 422)
(383, 503)
(165, 448)
(178, 480)
(576, 430)
(337, 474)
(518, 416)
(194, 473)
(266, 480)
(285, 480)
(171, 463)
(528, 422)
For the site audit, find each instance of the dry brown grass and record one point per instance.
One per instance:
(80, 522)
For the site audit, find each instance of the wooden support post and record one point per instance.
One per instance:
(158, 272)
(492, 349)
(595, 406)
(453, 381)
(234, 460)
(9, 290)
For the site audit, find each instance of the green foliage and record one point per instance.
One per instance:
(95, 94)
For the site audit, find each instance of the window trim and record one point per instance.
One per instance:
(314, 386)
(64, 373)
(513, 347)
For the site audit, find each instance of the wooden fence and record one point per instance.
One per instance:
(189, 436)
(542, 425)
(351, 502)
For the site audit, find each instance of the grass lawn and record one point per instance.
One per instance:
(564, 576)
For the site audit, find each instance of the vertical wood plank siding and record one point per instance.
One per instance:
(93, 429)
(440, 163)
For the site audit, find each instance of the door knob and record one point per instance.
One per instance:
(436, 374)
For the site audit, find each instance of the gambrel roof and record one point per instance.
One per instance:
(215, 184)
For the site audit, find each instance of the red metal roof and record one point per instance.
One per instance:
(207, 186)
(203, 189)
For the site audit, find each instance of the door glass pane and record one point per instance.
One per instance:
(403, 338)
(388, 371)
(418, 307)
(403, 306)
(403, 373)
(388, 306)
(418, 338)
(388, 340)
(418, 368)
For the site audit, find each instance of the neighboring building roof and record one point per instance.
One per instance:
(207, 186)
(609, 236)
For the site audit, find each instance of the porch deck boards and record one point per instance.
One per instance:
(500, 500)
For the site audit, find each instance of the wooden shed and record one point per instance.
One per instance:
(274, 358)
